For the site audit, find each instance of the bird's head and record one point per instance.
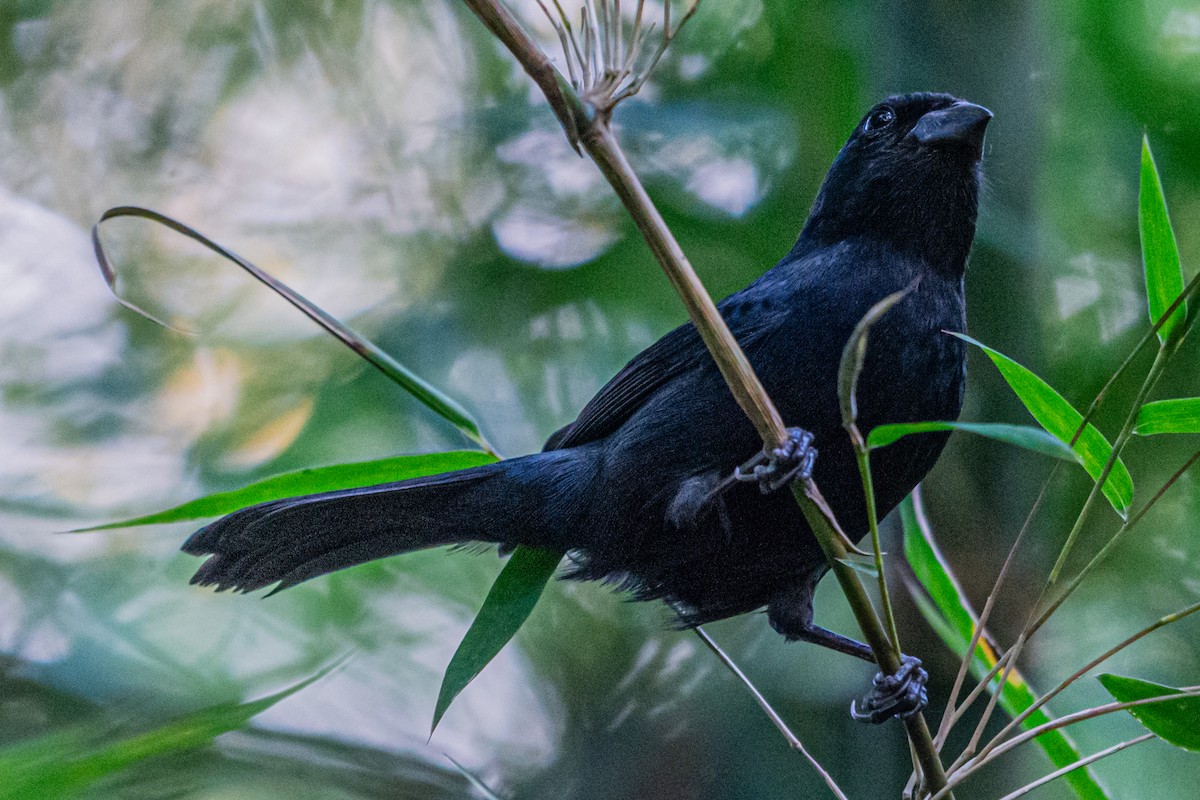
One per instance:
(908, 177)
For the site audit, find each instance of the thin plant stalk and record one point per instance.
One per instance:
(990, 708)
(952, 714)
(832, 542)
(792, 739)
(1156, 370)
(1083, 762)
(590, 129)
(961, 710)
(1188, 291)
(970, 767)
(864, 468)
(951, 717)
(1109, 545)
(1041, 701)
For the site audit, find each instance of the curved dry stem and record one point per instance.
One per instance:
(426, 393)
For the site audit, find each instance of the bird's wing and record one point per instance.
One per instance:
(672, 355)
(680, 351)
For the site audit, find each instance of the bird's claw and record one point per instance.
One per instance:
(777, 467)
(901, 694)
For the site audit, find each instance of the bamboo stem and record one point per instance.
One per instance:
(590, 127)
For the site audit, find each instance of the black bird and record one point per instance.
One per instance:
(639, 488)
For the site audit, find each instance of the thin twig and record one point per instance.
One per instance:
(980, 686)
(563, 39)
(1160, 361)
(961, 710)
(504, 26)
(1041, 701)
(1083, 762)
(1192, 287)
(1156, 370)
(990, 708)
(635, 39)
(1111, 544)
(590, 127)
(1082, 716)
(792, 739)
(667, 37)
(620, 28)
(970, 767)
(950, 717)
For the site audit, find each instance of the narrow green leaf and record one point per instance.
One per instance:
(1160, 254)
(59, 766)
(855, 351)
(508, 604)
(1169, 416)
(433, 398)
(1025, 436)
(310, 481)
(942, 602)
(1173, 721)
(1061, 420)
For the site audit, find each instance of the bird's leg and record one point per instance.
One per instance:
(778, 466)
(901, 694)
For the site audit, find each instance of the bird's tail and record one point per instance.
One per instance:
(518, 501)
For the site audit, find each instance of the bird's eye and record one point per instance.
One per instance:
(880, 118)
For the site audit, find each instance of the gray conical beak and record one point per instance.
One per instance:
(961, 124)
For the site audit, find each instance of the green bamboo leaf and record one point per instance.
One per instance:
(1160, 254)
(1173, 721)
(1061, 420)
(943, 603)
(855, 352)
(1169, 416)
(508, 604)
(310, 481)
(62, 764)
(1025, 436)
(433, 398)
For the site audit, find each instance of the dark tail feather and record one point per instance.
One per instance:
(289, 541)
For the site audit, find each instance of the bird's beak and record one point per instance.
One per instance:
(961, 125)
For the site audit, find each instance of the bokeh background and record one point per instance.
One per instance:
(388, 160)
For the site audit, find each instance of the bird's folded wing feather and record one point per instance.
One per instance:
(678, 352)
(669, 357)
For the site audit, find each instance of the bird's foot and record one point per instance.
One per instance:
(901, 694)
(778, 466)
